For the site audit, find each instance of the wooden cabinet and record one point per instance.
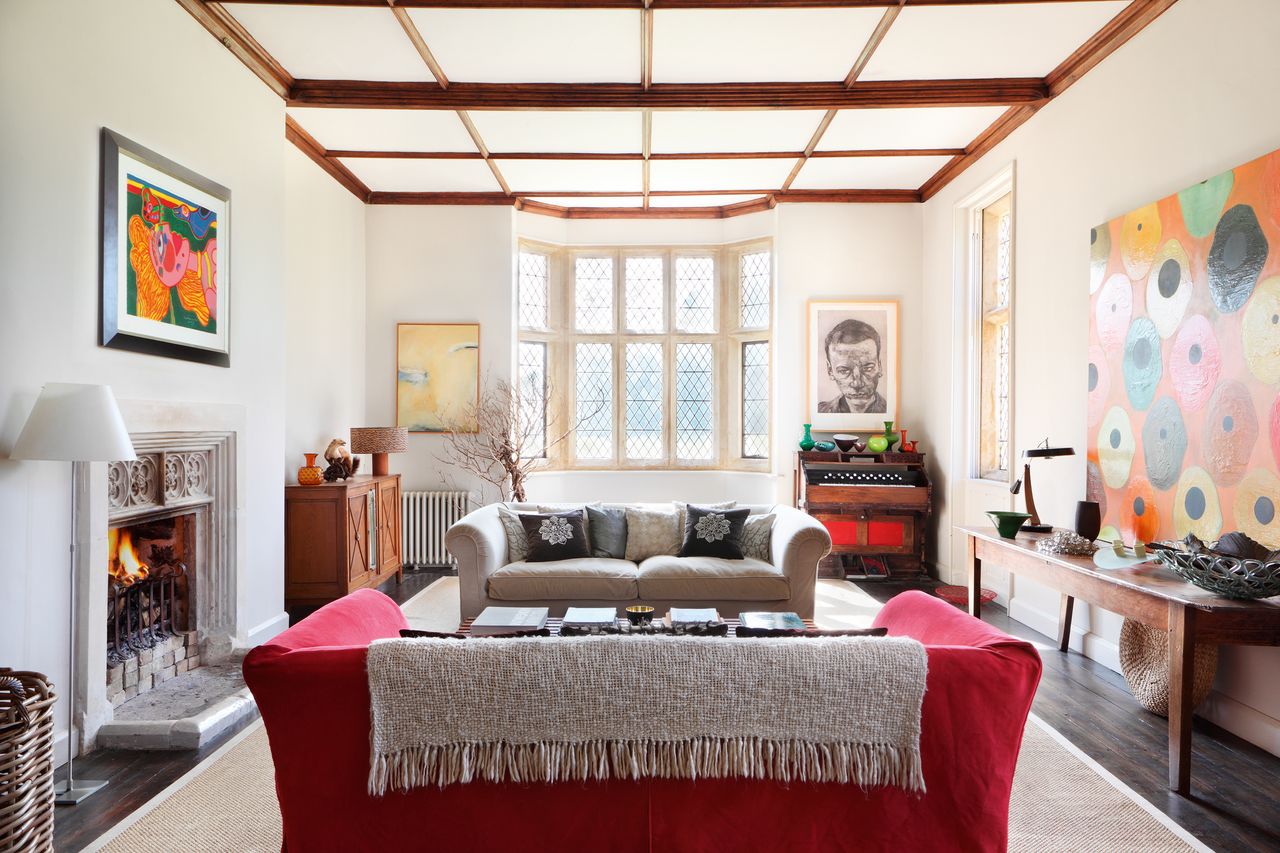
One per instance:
(872, 507)
(340, 537)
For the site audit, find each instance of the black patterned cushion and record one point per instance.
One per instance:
(711, 532)
(555, 536)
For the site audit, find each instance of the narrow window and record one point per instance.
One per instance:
(532, 390)
(994, 362)
(753, 278)
(593, 294)
(644, 411)
(695, 388)
(534, 272)
(755, 399)
(593, 365)
(644, 295)
(695, 295)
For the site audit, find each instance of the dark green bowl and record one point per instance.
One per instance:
(1008, 523)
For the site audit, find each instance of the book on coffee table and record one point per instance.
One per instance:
(763, 620)
(587, 617)
(494, 621)
(692, 616)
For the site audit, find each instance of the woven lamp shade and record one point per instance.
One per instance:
(379, 441)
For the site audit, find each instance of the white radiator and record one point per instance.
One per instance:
(426, 516)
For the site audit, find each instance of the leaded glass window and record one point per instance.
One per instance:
(753, 299)
(534, 277)
(695, 294)
(593, 366)
(695, 401)
(755, 399)
(644, 295)
(532, 389)
(593, 294)
(644, 403)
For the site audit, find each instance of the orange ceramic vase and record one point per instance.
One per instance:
(310, 474)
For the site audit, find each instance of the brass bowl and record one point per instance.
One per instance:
(639, 614)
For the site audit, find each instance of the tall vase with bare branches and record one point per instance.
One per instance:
(510, 440)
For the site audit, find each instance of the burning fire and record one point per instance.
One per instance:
(126, 568)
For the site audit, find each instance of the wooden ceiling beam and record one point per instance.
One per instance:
(306, 143)
(701, 96)
(236, 39)
(525, 199)
(419, 44)
(483, 149)
(633, 156)
(1106, 41)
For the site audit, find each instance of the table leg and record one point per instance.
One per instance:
(1064, 622)
(975, 579)
(1182, 650)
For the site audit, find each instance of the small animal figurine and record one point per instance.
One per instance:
(341, 463)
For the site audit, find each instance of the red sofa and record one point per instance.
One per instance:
(310, 686)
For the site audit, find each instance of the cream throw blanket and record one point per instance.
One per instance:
(830, 709)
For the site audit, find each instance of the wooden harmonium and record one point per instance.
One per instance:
(862, 474)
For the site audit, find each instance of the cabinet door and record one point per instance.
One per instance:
(358, 540)
(389, 550)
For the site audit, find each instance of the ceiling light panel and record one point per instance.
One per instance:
(867, 173)
(591, 201)
(755, 45)
(559, 131)
(924, 127)
(384, 130)
(996, 40)
(685, 175)
(533, 45)
(553, 176)
(699, 131)
(698, 200)
(423, 176)
(333, 42)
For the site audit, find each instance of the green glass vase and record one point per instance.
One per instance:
(806, 440)
(890, 436)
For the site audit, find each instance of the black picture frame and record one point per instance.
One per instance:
(109, 316)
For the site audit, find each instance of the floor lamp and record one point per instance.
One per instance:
(76, 424)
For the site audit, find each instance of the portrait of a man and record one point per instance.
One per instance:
(853, 370)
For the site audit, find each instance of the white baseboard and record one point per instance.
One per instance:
(1259, 728)
(1090, 645)
(268, 629)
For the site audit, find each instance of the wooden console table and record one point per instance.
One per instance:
(1152, 595)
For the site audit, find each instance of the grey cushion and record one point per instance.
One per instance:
(711, 579)
(757, 537)
(607, 531)
(517, 542)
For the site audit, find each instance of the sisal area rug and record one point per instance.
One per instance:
(1062, 799)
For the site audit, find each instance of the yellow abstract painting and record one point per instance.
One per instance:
(437, 376)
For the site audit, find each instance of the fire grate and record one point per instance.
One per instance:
(142, 609)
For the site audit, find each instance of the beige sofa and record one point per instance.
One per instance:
(786, 582)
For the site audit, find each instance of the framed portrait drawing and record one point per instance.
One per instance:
(853, 365)
(165, 288)
(437, 376)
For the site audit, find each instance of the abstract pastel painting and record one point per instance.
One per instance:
(164, 256)
(1184, 362)
(437, 376)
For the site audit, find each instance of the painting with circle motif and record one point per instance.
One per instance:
(1184, 362)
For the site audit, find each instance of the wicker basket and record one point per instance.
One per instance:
(1144, 660)
(1230, 577)
(26, 761)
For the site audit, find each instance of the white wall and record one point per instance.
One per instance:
(1189, 97)
(149, 71)
(434, 264)
(325, 337)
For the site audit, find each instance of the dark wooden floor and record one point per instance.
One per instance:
(1235, 802)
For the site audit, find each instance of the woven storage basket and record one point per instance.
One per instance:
(1144, 660)
(26, 761)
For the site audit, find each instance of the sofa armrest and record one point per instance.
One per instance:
(479, 543)
(799, 542)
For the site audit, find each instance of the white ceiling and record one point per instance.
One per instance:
(716, 45)
(1012, 40)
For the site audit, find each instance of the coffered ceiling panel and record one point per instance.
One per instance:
(871, 173)
(611, 132)
(932, 127)
(552, 176)
(591, 201)
(699, 131)
(726, 45)
(533, 45)
(385, 130)
(685, 175)
(997, 40)
(332, 42)
(423, 176)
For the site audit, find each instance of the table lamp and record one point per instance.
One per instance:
(76, 424)
(1041, 451)
(379, 441)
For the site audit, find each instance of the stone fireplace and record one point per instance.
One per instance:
(157, 581)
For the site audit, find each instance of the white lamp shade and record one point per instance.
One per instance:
(77, 423)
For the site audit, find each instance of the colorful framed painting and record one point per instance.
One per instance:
(852, 365)
(165, 288)
(1184, 362)
(437, 376)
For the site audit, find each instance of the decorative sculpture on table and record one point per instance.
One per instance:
(341, 463)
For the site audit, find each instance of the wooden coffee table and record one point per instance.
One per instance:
(1152, 595)
(554, 623)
